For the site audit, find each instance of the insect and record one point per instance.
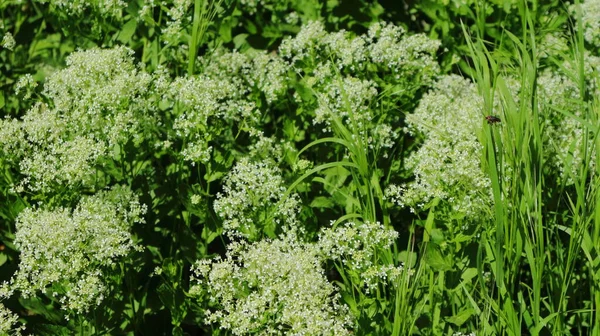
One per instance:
(492, 119)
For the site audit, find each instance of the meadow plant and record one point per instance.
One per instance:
(255, 72)
(358, 248)
(9, 322)
(69, 254)
(106, 8)
(359, 81)
(99, 102)
(271, 287)
(224, 99)
(211, 149)
(565, 134)
(590, 10)
(252, 203)
(179, 17)
(8, 41)
(405, 58)
(409, 58)
(448, 164)
(25, 85)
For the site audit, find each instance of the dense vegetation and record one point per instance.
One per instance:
(299, 167)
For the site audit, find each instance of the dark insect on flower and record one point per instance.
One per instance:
(492, 119)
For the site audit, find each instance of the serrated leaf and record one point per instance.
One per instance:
(435, 258)
(322, 202)
(437, 236)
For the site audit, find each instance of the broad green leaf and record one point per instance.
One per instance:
(127, 31)
(435, 258)
(408, 258)
(321, 202)
(469, 274)
(461, 317)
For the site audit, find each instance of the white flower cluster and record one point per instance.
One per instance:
(395, 194)
(252, 201)
(64, 252)
(177, 11)
(410, 58)
(8, 41)
(448, 164)
(558, 93)
(348, 100)
(25, 84)
(347, 73)
(271, 287)
(590, 11)
(109, 8)
(357, 246)
(254, 71)
(9, 322)
(223, 95)
(406, 57)
(99, 101)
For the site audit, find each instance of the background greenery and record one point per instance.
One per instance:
(142, 139)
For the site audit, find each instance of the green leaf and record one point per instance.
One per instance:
(251, 27)
(225, 28)
(174, 301)
(240, 40)
(321, 202)
(371, 309)
(209, 235)
(435, 258)
(469, 274)
(462, 317)
(437, 236)
(127, 31)
(408, 258)
(349, 300)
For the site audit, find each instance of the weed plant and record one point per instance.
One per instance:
(299, 167)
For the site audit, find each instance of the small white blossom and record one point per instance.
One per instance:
(9, 322)
(64, 251)
(252, 200)
(112, 8)
(99, 102)
(590, 10)
(25, 83)
(356, 246)
(276, 286)
(448, 166)
(8, 41)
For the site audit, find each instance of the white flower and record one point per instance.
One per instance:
(8, 41)
(66, 250)
(277, 286)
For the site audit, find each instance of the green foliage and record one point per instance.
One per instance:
(285, 167)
